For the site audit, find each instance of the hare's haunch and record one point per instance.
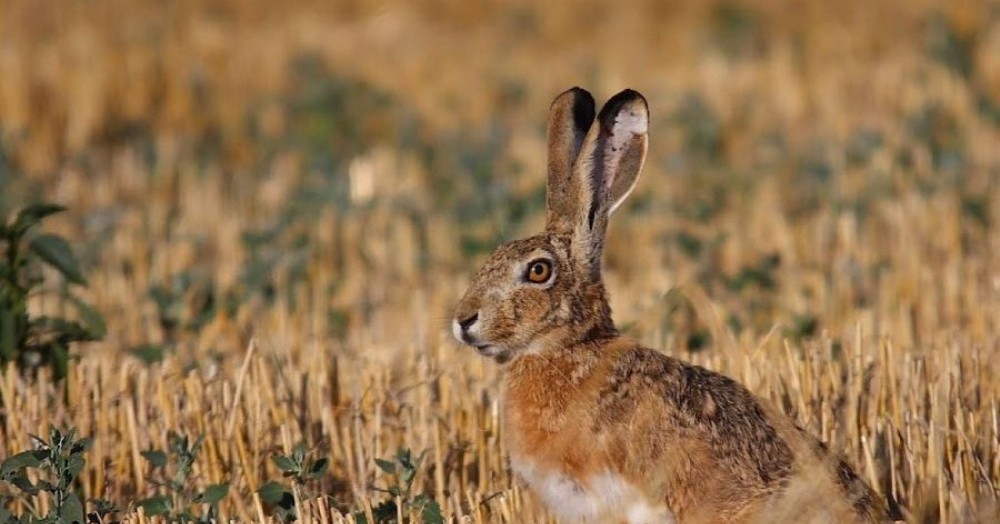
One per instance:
(600, 428)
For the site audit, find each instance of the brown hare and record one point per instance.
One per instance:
(600, 428)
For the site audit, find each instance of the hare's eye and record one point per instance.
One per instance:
(539, 271)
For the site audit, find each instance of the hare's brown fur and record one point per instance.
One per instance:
(600, 427)
(694, 437)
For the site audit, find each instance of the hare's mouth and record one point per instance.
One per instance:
(485, 349)
(500, 354)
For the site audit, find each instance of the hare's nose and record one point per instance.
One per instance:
(467, 322)
(461, 326)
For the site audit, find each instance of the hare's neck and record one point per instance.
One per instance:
(538, 389)
(548, 397)
(564, 365)
(541, 389)
(594, 322)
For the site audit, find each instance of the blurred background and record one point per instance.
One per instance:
(216, 155)
(324, 177)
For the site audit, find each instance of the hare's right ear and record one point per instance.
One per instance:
(605, 172)
(570, 118)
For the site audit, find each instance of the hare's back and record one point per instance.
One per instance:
(690, 402)
(708, 442)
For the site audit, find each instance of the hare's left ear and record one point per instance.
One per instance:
(606, 171)
(570, 117)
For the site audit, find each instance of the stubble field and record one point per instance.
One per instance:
(277, 205)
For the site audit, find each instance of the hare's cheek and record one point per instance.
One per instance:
(503, 325)
(531, 305)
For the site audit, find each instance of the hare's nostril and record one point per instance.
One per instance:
(467, 322)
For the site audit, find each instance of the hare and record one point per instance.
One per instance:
(600, 428)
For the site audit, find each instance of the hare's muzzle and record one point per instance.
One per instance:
(463, 327)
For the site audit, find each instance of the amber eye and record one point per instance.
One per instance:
(539, 271)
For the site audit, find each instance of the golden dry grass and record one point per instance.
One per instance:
(889, 247)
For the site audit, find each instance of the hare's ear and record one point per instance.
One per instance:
(570, 118)
(606, 170)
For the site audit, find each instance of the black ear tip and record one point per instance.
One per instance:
(633, 95)
(628, 94)
(583, 107)
(624, 97)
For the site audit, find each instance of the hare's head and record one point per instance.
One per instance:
(546, 290)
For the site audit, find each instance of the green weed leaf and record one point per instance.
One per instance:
(213, 494)
(156, 506)
(74, 465)
(55, 251)
(404, 457)
(286, 464)
(431, 514)
(386, 466)
(299, 453)
(71, 510)
(92, 319)
(148, 353)
(318, 467)
(82, 445)
(275, 493)
(19, 461)
(408, 475)
(33, 214)
(157, 459)
(21, 482)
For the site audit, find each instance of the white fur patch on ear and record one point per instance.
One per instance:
(628, 124)
(631, 123)
(634, 121)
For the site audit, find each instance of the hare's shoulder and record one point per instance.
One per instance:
(697, 404)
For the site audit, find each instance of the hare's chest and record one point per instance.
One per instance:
(592, 499)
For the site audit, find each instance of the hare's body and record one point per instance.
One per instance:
(600, 428)
(615, 430)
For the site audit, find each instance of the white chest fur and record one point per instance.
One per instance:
(595, 499)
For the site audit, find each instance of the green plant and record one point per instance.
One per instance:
(60, 458)
(735, 30)
(949, 46)
(186, 301)
(35, 340)
(301, 468)
(172, 472)
(404, 467)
